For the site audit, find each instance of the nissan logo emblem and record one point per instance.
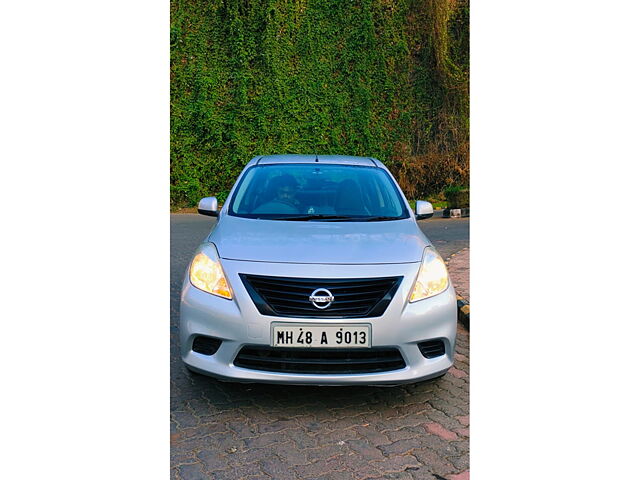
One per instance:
(321, 298)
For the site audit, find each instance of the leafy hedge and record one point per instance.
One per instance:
(382, 78)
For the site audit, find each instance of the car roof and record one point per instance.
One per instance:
(313, 158)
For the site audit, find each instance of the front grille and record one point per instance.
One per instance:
(432, 348)
(289, 297)
(319, 360)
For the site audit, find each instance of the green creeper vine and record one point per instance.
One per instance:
(382, 78)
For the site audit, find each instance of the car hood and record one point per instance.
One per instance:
(397, 241)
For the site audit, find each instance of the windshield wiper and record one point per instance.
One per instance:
(379, 219)
(303, 218)
(335, 218)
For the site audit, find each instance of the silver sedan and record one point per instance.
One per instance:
(317, 273)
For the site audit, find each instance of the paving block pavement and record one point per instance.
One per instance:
(254, 431)
(458, 265)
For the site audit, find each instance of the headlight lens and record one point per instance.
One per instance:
(432, 277)
(206, 273)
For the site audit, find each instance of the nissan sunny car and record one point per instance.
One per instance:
(317, 273)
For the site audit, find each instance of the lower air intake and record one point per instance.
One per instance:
(206, 345)
(319, 360)
(432, 348)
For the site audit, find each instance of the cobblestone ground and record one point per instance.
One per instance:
(458, 266)
(255, 431)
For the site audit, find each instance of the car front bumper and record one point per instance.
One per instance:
(237, 323)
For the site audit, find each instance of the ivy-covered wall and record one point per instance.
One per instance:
(381, 78)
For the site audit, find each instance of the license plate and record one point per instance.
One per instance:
(320, 336)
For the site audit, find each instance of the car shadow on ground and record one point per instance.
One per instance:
(301, 399)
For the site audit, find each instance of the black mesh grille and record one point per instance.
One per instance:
(289, 297)
(432, 348)
(319, 360)
(206, 345)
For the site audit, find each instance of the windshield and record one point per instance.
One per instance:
(317, 192)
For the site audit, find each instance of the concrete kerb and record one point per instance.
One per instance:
(464, 312)
(456, 212)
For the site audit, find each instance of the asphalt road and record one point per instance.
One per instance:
(254, 431)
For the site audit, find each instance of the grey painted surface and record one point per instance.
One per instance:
(397, 241)
(448, 235)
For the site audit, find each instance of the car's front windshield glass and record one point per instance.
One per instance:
(317, 192)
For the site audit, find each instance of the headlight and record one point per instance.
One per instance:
(206, 272)
(432, 276)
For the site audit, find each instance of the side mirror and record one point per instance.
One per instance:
(423, 210)
(208, 206)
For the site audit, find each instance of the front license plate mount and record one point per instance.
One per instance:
(317, 335)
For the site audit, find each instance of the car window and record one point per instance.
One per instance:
(297, 190)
